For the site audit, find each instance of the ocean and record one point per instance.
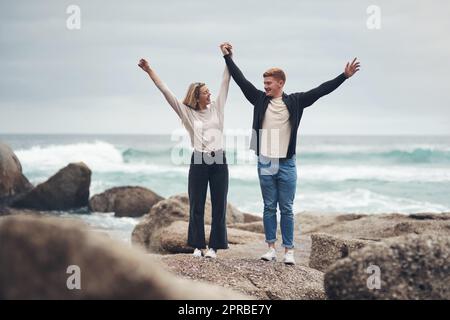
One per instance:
(336, 174)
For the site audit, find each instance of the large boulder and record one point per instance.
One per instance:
(256, 226)
(12, 180)
(67, 189)
(40, 258)
(125, 201)
(173, 238)
(327, 249)
(259, 279)
(375, 226)
(408, 267)
(163, 214)
(248, 217)
(233, 214)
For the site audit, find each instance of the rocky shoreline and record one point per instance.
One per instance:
(339, 256)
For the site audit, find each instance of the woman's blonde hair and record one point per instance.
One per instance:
(193, 94)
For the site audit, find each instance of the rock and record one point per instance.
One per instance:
(233, 214)
(36, 253)
(373, 227)
(327, 249)
(349, 217)
(259, 279)
(164, 213)
(314, 222)
(251, 218)
(256, 226)
(430, 216)
(161, 215)
(4, 211)
(173, 238)
(67, 189)
(125, 201)
(411, 267)
(12, 180)
(403, 228)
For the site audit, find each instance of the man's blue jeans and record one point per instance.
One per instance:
(278, 181)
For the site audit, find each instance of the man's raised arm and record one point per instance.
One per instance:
(247, 88)
(309, 97)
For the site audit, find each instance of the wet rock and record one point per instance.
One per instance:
(67, 189)
(125, 201)
(12, 180)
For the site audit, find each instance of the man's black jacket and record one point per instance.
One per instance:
(295, 103)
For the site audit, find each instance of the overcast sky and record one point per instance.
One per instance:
(57, 80)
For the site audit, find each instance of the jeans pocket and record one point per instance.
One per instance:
(292, 162)
(264, 164)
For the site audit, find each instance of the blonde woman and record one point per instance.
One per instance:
(203, 119)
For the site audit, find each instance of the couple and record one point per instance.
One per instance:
(276, 119)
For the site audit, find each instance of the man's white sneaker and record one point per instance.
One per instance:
(289, 257)
(197, 253)
(269, 255)
(211, 254)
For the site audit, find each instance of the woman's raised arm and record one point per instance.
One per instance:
(170, 97)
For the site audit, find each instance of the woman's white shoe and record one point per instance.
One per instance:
(197, 253)
(211, 254)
